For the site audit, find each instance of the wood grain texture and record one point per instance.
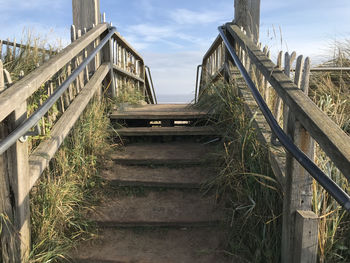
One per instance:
(41, 157)
(306, 228)
(332, 139)
(25, 87)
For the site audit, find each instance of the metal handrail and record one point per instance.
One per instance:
(327, 183)
(23, 128)
(152, 86)
(197, 84)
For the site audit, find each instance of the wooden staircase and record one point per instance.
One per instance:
(165, 162)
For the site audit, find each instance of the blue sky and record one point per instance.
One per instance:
(173, 36)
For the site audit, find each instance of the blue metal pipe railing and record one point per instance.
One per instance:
(327, 183)
(23, 128)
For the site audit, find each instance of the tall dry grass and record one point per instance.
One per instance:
(245, 181)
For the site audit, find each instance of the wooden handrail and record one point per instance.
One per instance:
(332, 139)
(212, 48)
(24, 88)
(126, 45)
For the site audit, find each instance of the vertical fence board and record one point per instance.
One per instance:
(298, 194)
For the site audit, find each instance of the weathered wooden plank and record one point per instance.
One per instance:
(2, 79)
(306, 228)
(330, 137)
(25, 87)
(86, 13)
(40, 158)
(166, 131)
(128, 74)
(247, 15)
(19, 174)
(298, 194)
(217, 42)
(125, 44)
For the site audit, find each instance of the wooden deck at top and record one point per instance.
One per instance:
(159, 112)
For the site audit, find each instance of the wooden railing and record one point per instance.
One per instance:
(116, 63)
(304, 122)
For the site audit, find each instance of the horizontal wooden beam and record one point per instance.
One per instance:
(127, 73)
(40, 158)
(332, 139)
(24, 88)
(4, 42)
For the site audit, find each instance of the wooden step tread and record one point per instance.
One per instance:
(159, 112)
(186, 177)
(158, 208)
(198, 245)
(163, 131)
(174, 153)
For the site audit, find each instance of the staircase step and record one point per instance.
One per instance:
(186, 177)
(198, 245)
(158, 208)
(174, 153)
(159, 112)
(166, 131)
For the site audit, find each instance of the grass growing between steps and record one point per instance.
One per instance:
(245, 181)
(69, 187)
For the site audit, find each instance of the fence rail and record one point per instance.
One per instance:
(303, 121)
(71, 78)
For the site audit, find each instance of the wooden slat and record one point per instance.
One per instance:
(125, 44)
(41, 157)
(127, 73)
(333, 140)
(212, 48)
(25, 87)
(166, 131)
(149, 115)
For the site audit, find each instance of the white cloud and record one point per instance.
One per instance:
(185, 16)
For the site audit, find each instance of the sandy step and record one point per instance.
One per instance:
(164, 154)
(159, 208)
(167, 131)
(198, 245)
(186, 177)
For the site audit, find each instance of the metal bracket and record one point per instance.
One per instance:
(36, 132)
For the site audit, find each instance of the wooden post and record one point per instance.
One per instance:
(2, 79)
(14, 204)
(306, 234)
(85, 13)
(247, 15)
(298, 194)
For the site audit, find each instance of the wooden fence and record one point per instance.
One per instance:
(117, 63)
(286, 93)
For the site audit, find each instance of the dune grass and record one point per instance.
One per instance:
(245, 181)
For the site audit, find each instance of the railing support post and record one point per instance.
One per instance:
(14, 203)
(300, 229)
(247, 15)
(86, 15)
